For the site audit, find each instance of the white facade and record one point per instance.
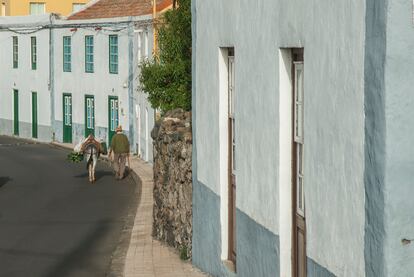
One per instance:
(24, 79)
(51, 81)
(332, 35)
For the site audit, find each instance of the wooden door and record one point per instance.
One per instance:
(67, 118)
(232, 164)
(89, 115)
(113, 117)
(34, 114)
(298, 193)
(16, 112)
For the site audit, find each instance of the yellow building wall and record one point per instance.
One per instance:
(22, 7)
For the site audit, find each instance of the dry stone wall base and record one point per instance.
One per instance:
(173, 180)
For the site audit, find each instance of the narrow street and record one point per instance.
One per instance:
(53, 222)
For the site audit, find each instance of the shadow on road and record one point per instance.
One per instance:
(98, 174)
(4, 180)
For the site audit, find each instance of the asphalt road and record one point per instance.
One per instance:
(53, 223)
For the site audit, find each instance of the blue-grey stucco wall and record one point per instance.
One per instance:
(375, 48)
(257, 247)
(315, 270)
(399, 134)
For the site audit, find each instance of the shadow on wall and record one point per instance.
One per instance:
(4, 180)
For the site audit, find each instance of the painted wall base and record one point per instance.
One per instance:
(257, 247)
(316, 270)
(44, 133)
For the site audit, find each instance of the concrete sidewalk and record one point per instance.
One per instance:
(147, 257)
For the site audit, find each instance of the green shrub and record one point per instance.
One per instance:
(167, 78)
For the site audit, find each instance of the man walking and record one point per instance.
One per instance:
(120, 147)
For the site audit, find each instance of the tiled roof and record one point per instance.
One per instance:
(117, 8)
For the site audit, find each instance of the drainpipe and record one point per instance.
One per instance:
(52, 77)
(131, 81)
(154, 15)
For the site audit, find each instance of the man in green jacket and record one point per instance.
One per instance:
(120, 147)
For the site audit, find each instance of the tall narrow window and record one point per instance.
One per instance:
(232, 156)
(67, 54)
(146, 49)
(140, 40)
(37, 8)
(34, 53)
(15, 52)
(298, 185)
(113, 54)
(89, 64)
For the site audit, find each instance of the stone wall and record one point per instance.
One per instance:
(172, 138)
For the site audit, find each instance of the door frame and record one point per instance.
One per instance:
(34, 115)
(88, 130)
(68, 137)
(298, 222)
(16, 112)
(111, 133)
(232, 244)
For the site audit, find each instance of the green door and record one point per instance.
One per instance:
(113, 116)
(89, 115)
(67, 118)
(16, 112)
(34, 114)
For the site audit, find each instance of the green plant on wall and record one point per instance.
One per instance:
(167, 78)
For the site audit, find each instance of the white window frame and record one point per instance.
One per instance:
(299, 135)
(37, 8)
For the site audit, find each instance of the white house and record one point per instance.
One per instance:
(65, 78)
(24, 77)
(303, 131)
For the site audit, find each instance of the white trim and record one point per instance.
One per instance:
(285, 161)
(224, 150)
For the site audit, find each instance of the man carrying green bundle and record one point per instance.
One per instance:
(120, 147)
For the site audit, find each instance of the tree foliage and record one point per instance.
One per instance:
(167, 78)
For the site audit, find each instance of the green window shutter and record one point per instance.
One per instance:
(33, 53)
(15, 52)
(113, 54)
(89, 62)
(67, 54)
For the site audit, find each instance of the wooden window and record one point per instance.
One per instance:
(113, 54)
(67, 54)
(33, 53)
(89, 49)
(298, 89)
(15, 52)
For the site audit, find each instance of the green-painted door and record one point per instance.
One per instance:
(34, 114)
(89, 115)
(67, 118)
(113, 116)
(16, 112)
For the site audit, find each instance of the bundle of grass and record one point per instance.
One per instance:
(75, 157)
